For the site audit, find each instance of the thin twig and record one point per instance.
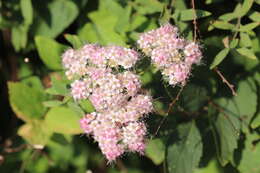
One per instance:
(17, 149)
(194, 20)
(168, 111)
(224, 80)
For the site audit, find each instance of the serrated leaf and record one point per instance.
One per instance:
(63, 120)
(74, 40)
(185, 149)
(155, 150)
(237, 108)
(35, 133)
(27, 11)
(88, 33)
(50, 52)
(219, 57)
(122, 24)
(26, 101)
(250, 162)
(193, 97)
(227, 129)
(105, 28)
(190, 14)
(246, 52)
(54, 18)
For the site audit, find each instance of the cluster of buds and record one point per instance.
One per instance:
(173, 55)
(102, 75)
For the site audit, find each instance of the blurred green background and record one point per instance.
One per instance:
(209, 129)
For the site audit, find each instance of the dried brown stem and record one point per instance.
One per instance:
(194, 20)
(224, 80)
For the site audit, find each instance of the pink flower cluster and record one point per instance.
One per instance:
(173, 55)
(102, 75)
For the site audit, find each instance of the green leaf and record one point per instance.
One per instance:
(19, 37)
(52, 103)
(249, 27)
(105, 28)
(54, 18)
(212, 167)
(233, 43)
(228, 16)
(58, 87)
(190, 14)
(27, 11)
(26, 101)
(256, 122)
(76, 108)
(246, 6)
(246, 52)
(227, 130)
(255, 16)
(122, 24)
(250, 162)
(219, 57)
(88, 33)
(63, 120)
(155, 150)
(74, 40)
(245, 40)
(237, 108)
(33, 82)
(35, 133)
(50, 52)
(257, 1)
(148, 6)
(87, 106)
(222, 25)
(185, 149)
(193, 97)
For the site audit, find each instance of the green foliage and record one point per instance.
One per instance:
(184, 149)
(63, 120)
(50, 51)
(208, 127)
(26, 100)
(155, 150)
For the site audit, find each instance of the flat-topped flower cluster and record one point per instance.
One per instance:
(102, 75)
(170, 53)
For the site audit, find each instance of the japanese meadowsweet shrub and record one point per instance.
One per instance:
(102, 75)
(170, 53)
